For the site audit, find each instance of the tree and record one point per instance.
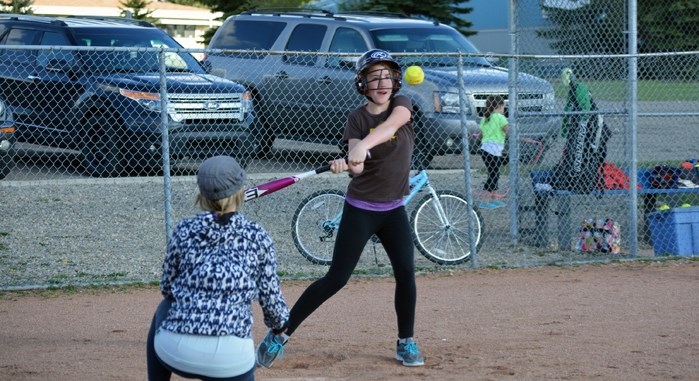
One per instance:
(449, 12)
(191, 3)
(137, 9)
(600, 27)
(17, 6)
(596, 28)
(672, 27)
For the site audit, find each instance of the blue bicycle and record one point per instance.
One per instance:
(439, 222)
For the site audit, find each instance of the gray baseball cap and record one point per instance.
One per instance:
(220, 177)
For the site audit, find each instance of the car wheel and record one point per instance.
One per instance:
(244, 160)
(421, 159)
(264, 138)
(264, 146)
(100, 147)
(7, 155)
(6, 164)
(532, 151)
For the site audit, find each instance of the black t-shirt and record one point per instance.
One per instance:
(386, 173)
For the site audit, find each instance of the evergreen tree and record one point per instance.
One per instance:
(600, 27)
(596, 28)
(138, 10)
(668, 26)
(17, 6)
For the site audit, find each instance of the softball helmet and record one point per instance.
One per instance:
(373, 57)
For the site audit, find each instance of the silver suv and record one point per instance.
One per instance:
(306, 93)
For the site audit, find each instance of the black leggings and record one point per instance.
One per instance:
(492, 164)
(357, 226)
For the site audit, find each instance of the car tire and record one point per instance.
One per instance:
(264, 146)
(421, 159)
(6, 165)
(264, 138)
(101, 147)
(244, 160)
(530, 154)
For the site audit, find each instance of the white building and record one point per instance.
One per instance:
(184, 23)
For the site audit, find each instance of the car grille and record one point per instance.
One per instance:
(198, 108)
(527, 102)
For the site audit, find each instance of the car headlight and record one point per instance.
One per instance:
(448, 102)
(246, 103)
(150, 101)
(549, 101)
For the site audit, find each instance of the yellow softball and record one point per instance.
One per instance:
(414, 75)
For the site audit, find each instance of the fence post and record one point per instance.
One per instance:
(467, 162)
(512, 121)
(633, 113)
(164, 121)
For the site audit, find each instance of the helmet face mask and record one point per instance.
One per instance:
(377, 57)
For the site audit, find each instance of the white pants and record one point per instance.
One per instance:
(212, 356)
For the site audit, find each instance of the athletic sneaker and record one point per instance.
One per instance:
(271, 348)
(498, 204)
(499, 196)
(408, 353)
(486, 205)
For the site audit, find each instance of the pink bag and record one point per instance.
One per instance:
(599, 236)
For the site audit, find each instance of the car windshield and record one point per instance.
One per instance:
(427, 40)
(132, 60)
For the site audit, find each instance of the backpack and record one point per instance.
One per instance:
(599, 236)
(663, 176)
(580, 167)
(688, 174)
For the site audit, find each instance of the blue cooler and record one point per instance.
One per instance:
(675, 231)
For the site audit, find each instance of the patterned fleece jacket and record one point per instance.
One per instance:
(213, 269)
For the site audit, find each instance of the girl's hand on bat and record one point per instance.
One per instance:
(338, 166)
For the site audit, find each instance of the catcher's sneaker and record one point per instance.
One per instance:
(408, 352)
(271, 348)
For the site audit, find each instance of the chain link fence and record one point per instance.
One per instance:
(106, 142)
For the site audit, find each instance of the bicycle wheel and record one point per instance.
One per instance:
(445, 244)
(315, 223)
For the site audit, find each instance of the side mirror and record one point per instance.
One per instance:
(492, 60)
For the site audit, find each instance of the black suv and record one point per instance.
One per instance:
(306, 97)
(93, 85)
(7, 140)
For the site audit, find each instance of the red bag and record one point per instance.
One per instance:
(615, 177)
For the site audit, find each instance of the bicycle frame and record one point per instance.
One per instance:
(438, 222)
(416, 183)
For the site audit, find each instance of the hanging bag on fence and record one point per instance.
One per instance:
(580, 168)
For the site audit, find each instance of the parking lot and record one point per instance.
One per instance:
(661, 137)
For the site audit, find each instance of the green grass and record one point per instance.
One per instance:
(647, 90)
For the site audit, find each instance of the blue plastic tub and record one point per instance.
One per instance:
(675, 231)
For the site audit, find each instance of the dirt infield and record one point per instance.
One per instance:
(623, 321)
